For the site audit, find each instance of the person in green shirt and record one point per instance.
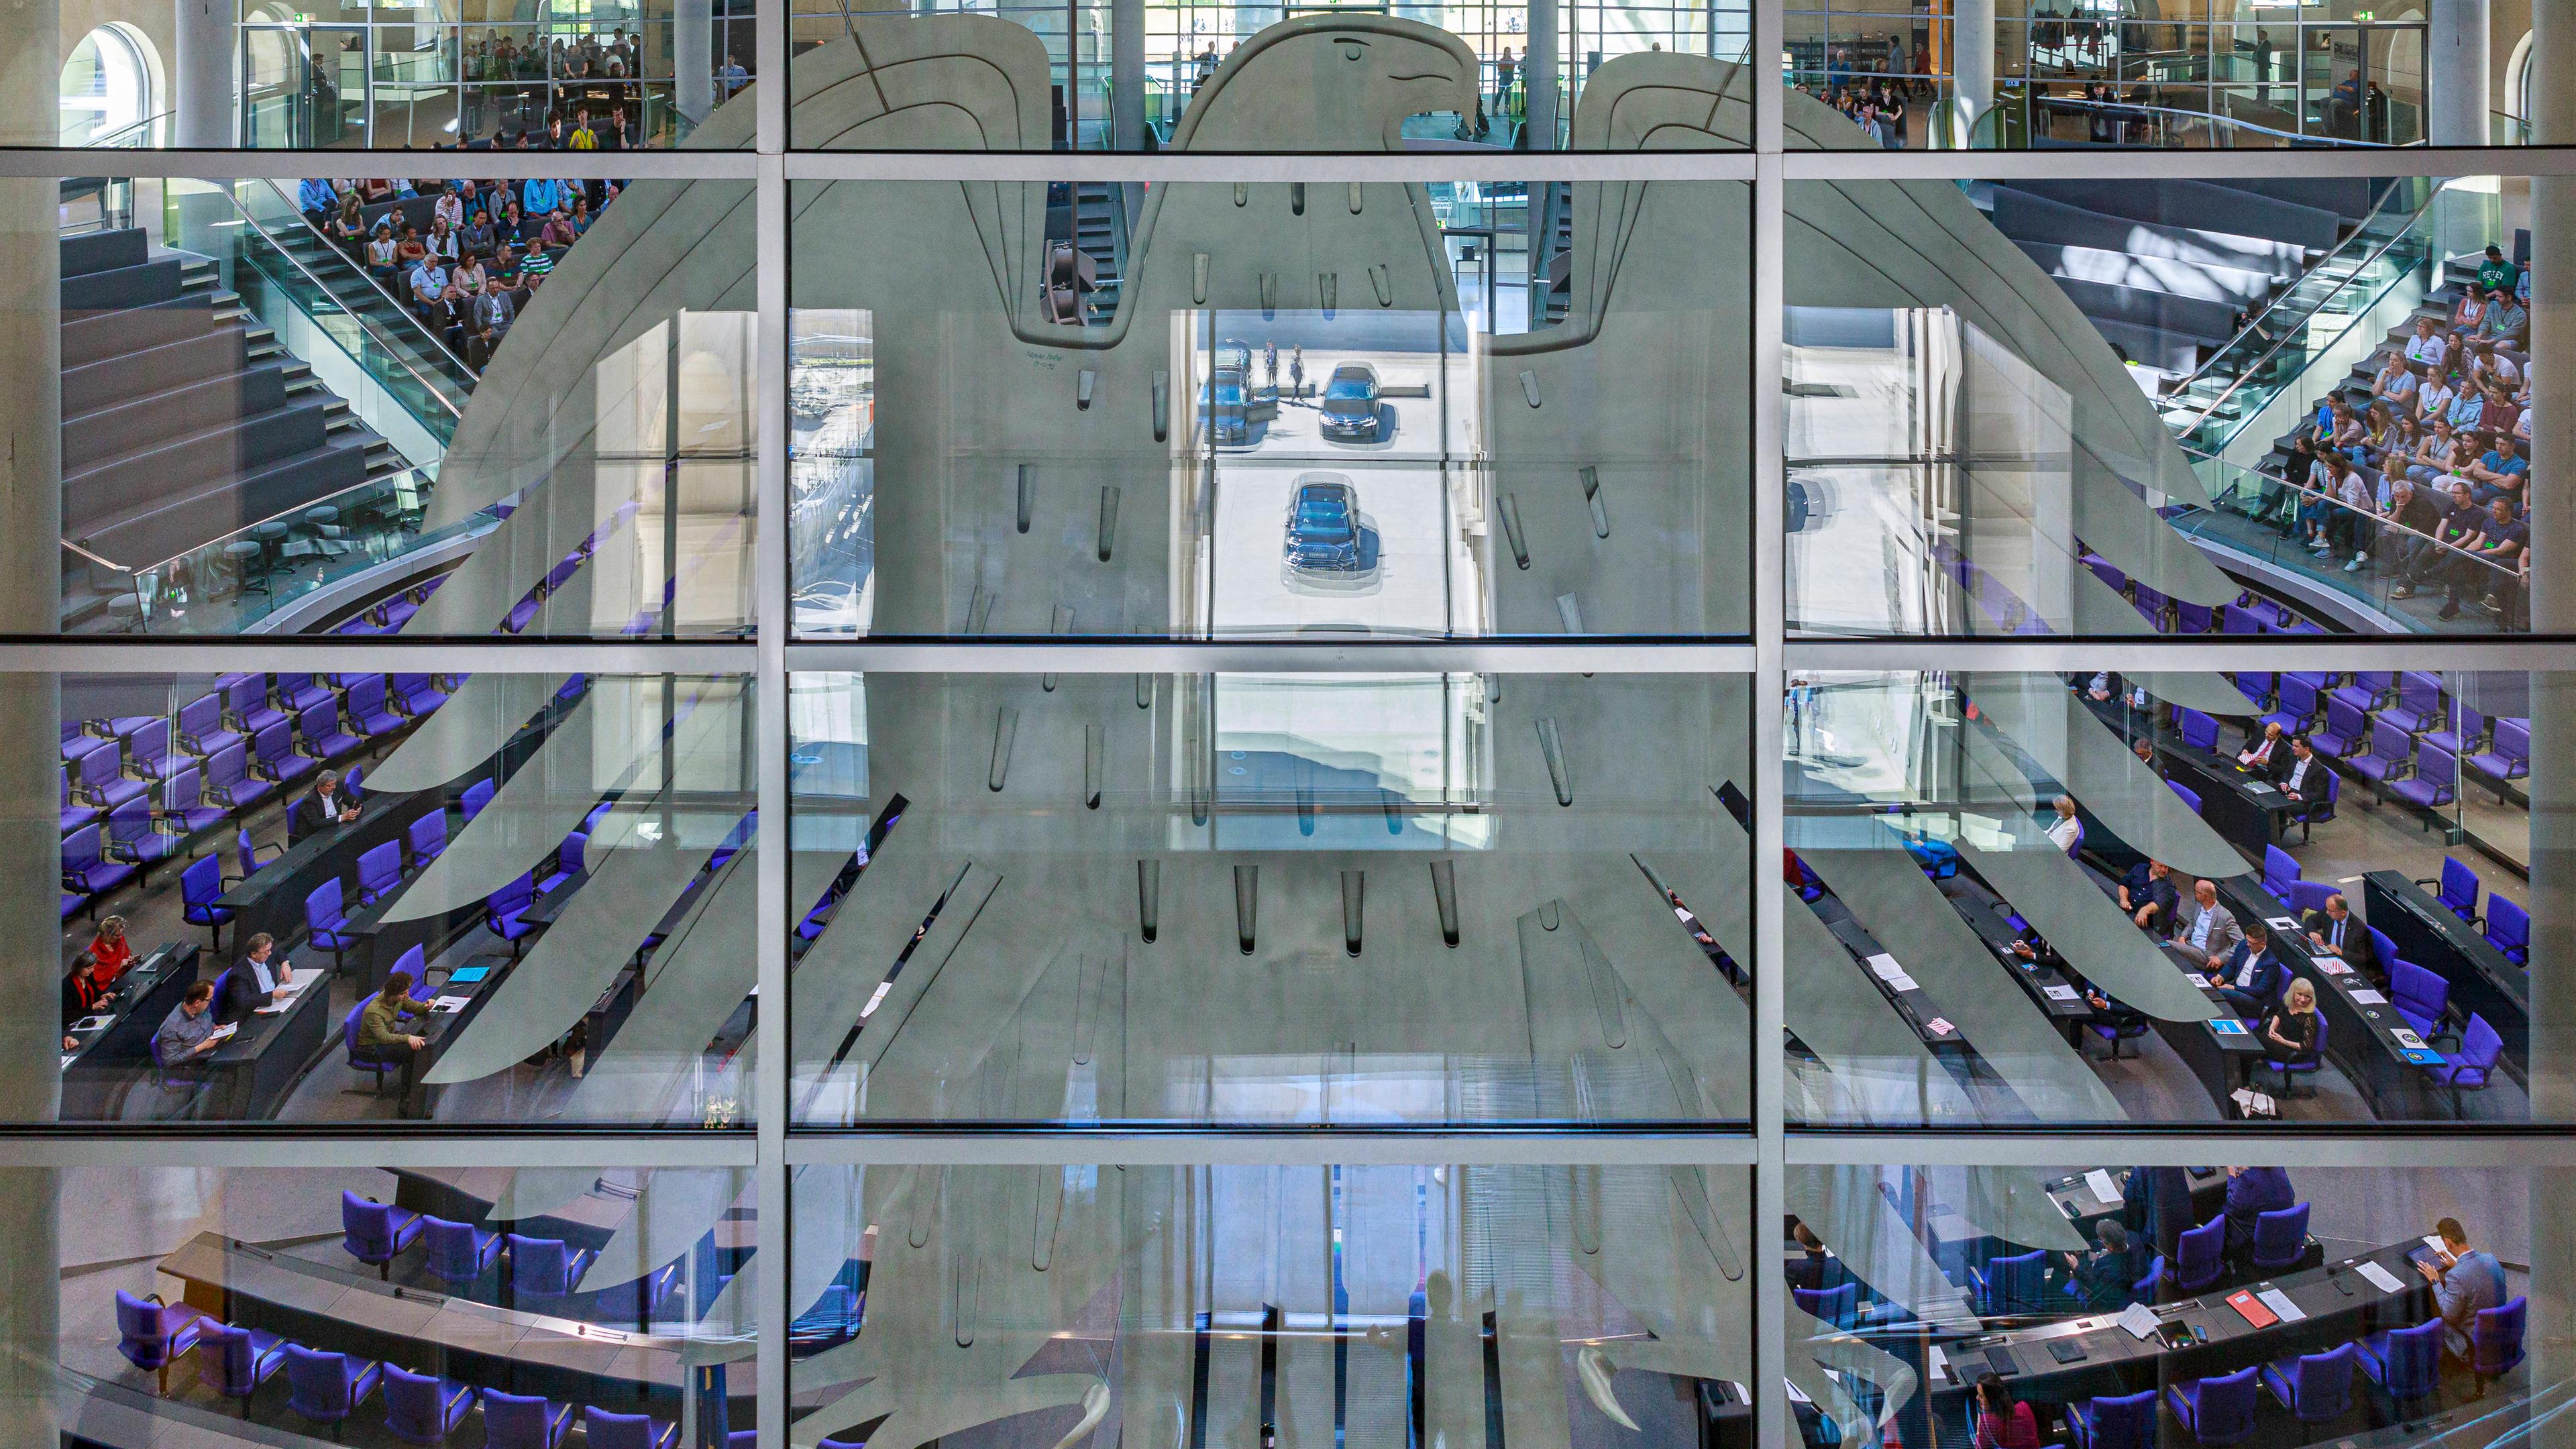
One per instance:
(380, 1035)
(2496, 274)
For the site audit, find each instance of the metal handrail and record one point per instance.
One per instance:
(115, 139)
(2079, 103)
(363, 324)
(2276, 303)
(2331, 501)
(2250, 369)
(364, 275)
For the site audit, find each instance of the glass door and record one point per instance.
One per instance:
(304, 85)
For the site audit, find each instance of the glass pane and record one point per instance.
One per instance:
(587, 75)
(2158, 407)
(313, 407)
(1495, 74)
(558, 866)
(1417, 899)
(2385, 1303)
(1271, 410)
(2303, 896)
(382, 1305)
(1275, 1305)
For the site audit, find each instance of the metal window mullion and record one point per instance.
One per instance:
(769, 610)
(2444, 653)
(288, 165)
(1771, 1411)
(1011, 1145)
(232, 1145)
(2435, 1146)
(769, 57)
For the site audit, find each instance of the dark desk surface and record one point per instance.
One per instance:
(2378, 1021)
(1913, 1004)
(2233, 1343)
(1983, 917)
(222, 1272)
(2244, 807)
(158, 979)
(255, 888)
(2483, 979)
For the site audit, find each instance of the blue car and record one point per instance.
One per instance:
(1350, 404)
(1222, 411)
(1324, 526)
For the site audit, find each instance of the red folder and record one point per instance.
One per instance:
(2251, 1308)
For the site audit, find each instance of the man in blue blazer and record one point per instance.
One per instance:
(2253, 976)
(2252, 1191)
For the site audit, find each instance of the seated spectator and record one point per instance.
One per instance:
(2433, 398)
(2493, 555)
(428, 284)
(614, 138)
(2487, 365)
(2436, 455)
(558, 232)
(2280, 501)
(2500, 414)
(581, 219)
(2149, 895)
(380, 256)
(509, 230)
(2428, 348)
(375, 190)
(2459, 520)
(2396, 382)
(476, 239)
(468, 276)
(348, 229)
(534, 266)
(411, 250)
(2496, 275)
(2412, 517)
(2469, 314)
(441, 243)
(449, 314)
(449, 210)
(2499, 472)
(317, 199)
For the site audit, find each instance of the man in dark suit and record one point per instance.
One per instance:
(2336, 931)
(2155, 1206)
(2252, 1191)
(329, 804)
(2253, 976)
(2149, 895)
(253, 982)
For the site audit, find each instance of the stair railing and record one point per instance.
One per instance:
(364, 275)
(2282, 330)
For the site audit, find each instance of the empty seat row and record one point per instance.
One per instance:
(134, 789)
(328, 1388)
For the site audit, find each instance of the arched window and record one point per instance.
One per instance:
(107, 86)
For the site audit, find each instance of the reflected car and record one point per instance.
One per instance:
(1351, 404)
(1221, 409)
(1324, 525)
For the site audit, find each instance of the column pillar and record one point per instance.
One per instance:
(1538, 79)
(2455, 73)
(201, 74)
(1972, 67)
(31, 513)
(1127, 75)
(2552, 1328)
(693, 82)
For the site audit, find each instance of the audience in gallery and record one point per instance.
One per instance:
(2427, 471)
(489, 247)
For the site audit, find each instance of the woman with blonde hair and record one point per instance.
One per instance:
(2290, 1028)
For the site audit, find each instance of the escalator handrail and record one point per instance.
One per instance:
(2276, 303)
(372, 284)
(2256, 366)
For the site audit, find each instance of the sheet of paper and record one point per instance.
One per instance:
(2104, 1189)
(91, 1023)
(2061, 993)
(67, 1063)
(1940, 1026)
(2368, 997)
(2280, 923)
(449, 1003)
(1939, 1361)
(2333, 966)
(2279, 1302)
(224, 1033)
(2140, 1320)
(1902, 982)
(2380, 1278)
(1885, 967)
(2435, 1243)
(2198, 981)
(2406, 1037)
